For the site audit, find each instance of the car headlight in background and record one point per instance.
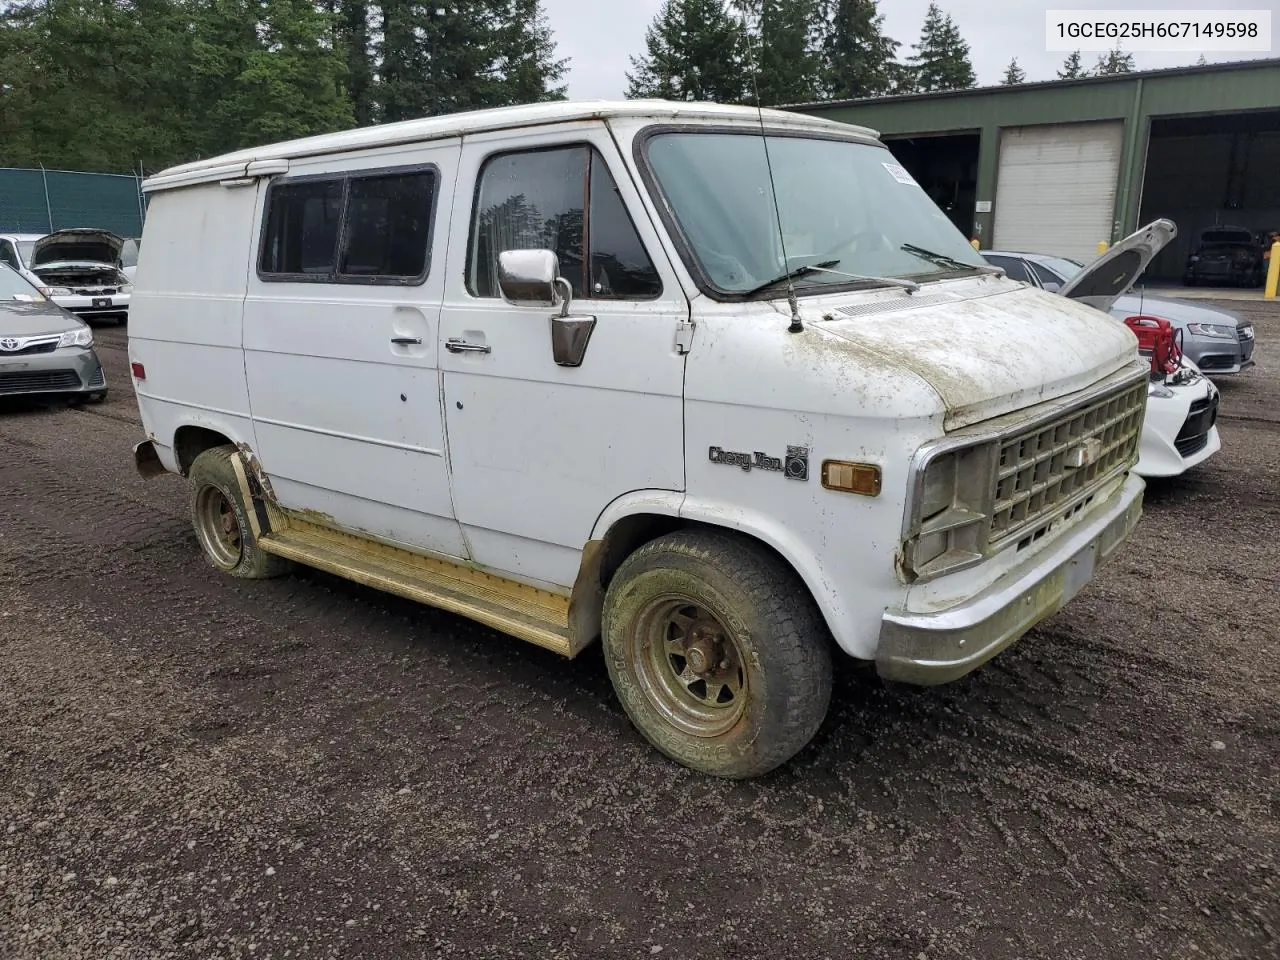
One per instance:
(1215, 331)
(126, 288)
(56, 291)
(79, 337)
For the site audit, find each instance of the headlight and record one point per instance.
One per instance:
(126, 288)
(1194, 260)
(1217, 331)
(1159, 390)
(56, 291)
(80, 337)
(950, 513)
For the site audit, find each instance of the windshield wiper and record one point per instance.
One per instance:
(794, 274)
(946, 261)
(824, 267)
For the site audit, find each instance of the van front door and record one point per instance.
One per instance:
(538, 450)
(341, 329)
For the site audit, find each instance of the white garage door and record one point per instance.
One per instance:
(1056, 188)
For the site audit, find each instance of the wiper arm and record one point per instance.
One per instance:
(825, 267)
(943, 260)
(790, 275)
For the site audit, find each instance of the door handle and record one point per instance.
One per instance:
(454, 345)
(406, 341)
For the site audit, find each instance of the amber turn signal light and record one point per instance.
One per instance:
(863, 478)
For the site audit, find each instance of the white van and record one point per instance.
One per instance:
(543, 367)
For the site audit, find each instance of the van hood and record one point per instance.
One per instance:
(987, 355)
(79, 245)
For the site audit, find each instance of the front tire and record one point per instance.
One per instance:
(220, 517)
(718, 653)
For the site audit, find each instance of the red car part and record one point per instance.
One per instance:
(1159, 340)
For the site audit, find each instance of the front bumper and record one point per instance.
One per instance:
(1220, 356)
(69, 370)
(88, 307)
(933, 648)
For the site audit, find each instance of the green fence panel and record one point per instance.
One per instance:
(40, 201)
(22, 203)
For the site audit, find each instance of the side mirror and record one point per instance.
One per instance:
(531, 278)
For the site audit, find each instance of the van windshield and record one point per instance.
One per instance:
(845, 205)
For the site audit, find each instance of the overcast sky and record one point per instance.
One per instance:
(601, 35)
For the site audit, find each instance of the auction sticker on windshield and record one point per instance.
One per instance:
(899, 173)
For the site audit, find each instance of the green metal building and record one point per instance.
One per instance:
(1059, 167)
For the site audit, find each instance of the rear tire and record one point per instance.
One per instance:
(717, 652)
(220, 517)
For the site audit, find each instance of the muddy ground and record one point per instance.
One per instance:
(198, 767)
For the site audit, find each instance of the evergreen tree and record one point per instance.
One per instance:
(783, 41)
(1014, 74)
(694, 51)
(941, 59)
(1113, 62)
(857, 58)
(1072, 69)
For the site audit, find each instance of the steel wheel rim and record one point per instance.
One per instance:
(689, 666)
(219, 527)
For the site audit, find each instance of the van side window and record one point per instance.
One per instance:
(559, 200)
(354, 228)
(388, 231)
(302, 228)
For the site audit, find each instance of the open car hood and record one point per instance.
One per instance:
(1109, 277)
(79, 245)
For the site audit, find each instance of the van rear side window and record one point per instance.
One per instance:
(359, 228)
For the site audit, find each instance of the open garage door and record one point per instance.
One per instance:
(1056, 188)
(1210, 171)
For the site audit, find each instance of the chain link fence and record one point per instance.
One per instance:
(41, 201)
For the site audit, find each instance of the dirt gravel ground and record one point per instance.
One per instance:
(199, 767)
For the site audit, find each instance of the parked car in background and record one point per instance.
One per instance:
(1217, 341)
(43, 348)
(129, 257)
(78, 269)
(1226, 256)
(1180, 428)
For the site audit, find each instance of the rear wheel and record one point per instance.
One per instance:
(220, 517)
(717, 652)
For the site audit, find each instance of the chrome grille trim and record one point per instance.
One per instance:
(1034, 477)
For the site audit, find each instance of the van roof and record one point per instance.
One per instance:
(273, 158)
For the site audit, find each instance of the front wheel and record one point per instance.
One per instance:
(717, 652)
(220, 517)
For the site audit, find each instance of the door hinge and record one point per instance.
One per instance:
(684, 336)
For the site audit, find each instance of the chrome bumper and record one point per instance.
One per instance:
(933, 648)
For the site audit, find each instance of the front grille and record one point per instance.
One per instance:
(47, 347)
(1035, 479)
(1194, 435)
(31, 382)
(1191, 445)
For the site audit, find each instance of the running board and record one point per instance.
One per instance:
(525, 612)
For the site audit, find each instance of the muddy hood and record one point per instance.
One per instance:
(991, 355)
